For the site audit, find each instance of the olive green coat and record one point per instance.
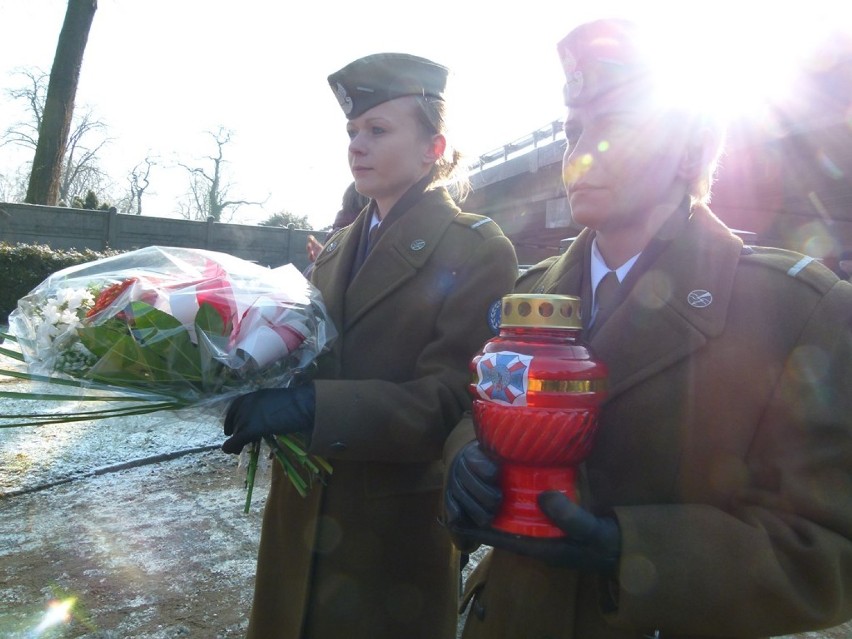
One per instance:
(724, 450)
(364, 557)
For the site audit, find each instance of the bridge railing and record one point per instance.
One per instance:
(548, 133)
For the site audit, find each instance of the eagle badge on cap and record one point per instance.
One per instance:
(574, 77)
(573, 86)
(344, 99)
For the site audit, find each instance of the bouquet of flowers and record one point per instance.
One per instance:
(166, 328)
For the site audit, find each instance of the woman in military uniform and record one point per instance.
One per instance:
(408, 285)
(717, 498)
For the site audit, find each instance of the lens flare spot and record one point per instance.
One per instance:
(814, 239)
(828, 165)
(57, 612)
(639, 575)
(810, 364)
(655, 291)
(577, 168)
(603, 146)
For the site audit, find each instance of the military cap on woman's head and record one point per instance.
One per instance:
(601, 57)
(380, 77)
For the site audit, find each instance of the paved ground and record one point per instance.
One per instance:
(149, 545)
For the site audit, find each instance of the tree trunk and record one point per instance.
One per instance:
(59, 103)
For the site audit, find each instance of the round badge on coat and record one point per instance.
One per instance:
(699, 298)
(494, 316)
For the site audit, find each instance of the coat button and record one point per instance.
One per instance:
(338, 447)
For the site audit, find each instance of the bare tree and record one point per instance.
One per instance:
(25, 133)
(13, 186)
(80, 171)
(59, 103)
(139, 183)
(207, 197)
(5, 188)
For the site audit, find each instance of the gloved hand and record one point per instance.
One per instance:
(472, 496)
(591, 544)
(269, 411)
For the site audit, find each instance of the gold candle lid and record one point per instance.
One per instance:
(540, 311)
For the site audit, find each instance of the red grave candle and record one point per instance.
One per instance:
(536, 394)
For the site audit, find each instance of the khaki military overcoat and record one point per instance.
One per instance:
(724, 450)
(364, 556)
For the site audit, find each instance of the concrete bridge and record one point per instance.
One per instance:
(785, 179)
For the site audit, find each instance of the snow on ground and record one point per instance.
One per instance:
(33, 456)
(150, 540)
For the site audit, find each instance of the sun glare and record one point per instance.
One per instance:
(737, 63)
(57, 612)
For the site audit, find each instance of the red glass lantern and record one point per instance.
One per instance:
(536, 394)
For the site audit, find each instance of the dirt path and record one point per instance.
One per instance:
(153, 552)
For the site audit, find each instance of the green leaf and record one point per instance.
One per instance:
(210, 330)
(124, 364)
(164, 337)
(101, 338)
(208, 320)
(157, 352)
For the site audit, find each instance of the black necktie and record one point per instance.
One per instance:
(605, 292)
(371, 237)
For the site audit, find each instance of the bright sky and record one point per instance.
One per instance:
(162, 73)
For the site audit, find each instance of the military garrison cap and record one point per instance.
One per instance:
(604, 57)
(377, 78)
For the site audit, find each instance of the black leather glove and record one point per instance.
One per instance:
(472, 496)
(269, 411)
(591, 544)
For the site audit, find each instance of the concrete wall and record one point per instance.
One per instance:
(66, 228)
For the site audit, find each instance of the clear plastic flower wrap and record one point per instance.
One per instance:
(167, 328)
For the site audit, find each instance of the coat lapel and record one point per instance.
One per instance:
(676, 304)
(399, 253)
(673, 305)
(332, 268)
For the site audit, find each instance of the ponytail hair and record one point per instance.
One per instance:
(448, 171)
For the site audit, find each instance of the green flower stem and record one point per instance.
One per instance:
(11, 354)
(127, 391)
(65, 418)
(252, 470)
(291, 455)
(292, 473)
(57, 397)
